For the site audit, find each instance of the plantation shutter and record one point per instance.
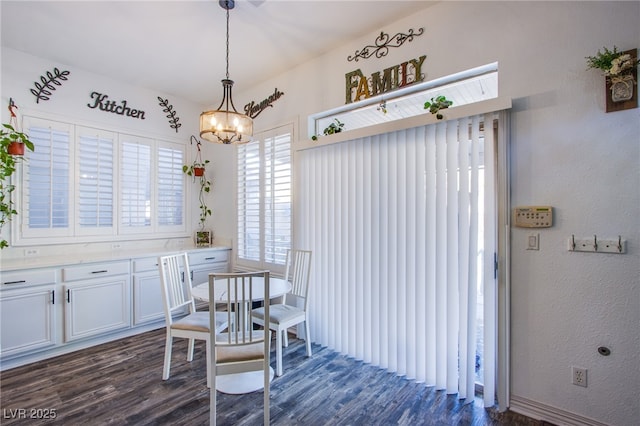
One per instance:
(264, 199)
(135, 179)
(95, 206)
(47, 191)
(170, 186)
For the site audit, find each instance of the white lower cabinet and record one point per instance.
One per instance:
(98, 302)
(147, 297)
(27, 319)
(47, 311)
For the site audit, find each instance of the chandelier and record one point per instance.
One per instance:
(226, 125)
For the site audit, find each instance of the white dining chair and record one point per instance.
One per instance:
(178, 301)
(241, 349)
(293, 308)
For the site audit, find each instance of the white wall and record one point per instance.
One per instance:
(68, 103)
(566, 152)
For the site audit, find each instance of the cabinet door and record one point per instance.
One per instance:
(147, 298)
(95, 307)
(28, 320)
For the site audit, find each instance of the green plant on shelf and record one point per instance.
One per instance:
(438, 103)
(331, 129)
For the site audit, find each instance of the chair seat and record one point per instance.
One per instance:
(250, 352)
(199, 321)
(280, 314)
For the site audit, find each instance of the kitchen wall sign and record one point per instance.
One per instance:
(101, 102)
(387, 80)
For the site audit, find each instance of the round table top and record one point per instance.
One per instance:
(277, 287)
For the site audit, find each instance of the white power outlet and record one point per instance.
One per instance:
(579, 376)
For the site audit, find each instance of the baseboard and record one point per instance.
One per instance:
(538, 411)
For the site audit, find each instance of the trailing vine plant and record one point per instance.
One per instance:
(49, 83)
(8, 165)
(197, 170)
(331, 129)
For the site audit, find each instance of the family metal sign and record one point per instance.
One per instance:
(405, 74)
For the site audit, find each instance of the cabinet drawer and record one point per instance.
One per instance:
(208, 256)
(95, 270)
(145, 264)
(29, 277)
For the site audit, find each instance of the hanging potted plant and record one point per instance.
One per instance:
(197, 170)
(11, 141)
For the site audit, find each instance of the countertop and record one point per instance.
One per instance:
(29, 262)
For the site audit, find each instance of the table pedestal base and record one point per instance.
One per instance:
(242, 382)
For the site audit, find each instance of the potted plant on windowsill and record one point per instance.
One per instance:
(438, 103)
(331, 129)
(11, 141)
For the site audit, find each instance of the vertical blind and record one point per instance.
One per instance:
(401, 246)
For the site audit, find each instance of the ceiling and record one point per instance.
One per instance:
(178, 47)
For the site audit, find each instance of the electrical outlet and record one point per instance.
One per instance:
(579, 376)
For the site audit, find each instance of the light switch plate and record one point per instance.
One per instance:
(533, 241)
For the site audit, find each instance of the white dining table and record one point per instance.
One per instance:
(250, 381)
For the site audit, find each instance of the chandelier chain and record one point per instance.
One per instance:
(227, 43)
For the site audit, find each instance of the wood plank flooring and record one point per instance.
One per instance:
(120, 383)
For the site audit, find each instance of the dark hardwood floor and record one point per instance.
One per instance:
(120, 383)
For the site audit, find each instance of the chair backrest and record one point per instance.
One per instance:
(176, 284)
(234, 293)
(241, 349)
(297, 272)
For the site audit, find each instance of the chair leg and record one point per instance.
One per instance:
(190, 350)
(286, 338)
(167, 357)
(208, 365)
(307, 337)
(279, 352)
(267, 384)
(212, 402)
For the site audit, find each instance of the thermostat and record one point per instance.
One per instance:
(533, 216)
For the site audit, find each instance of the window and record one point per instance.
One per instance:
(264, 188)
(82, 183)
